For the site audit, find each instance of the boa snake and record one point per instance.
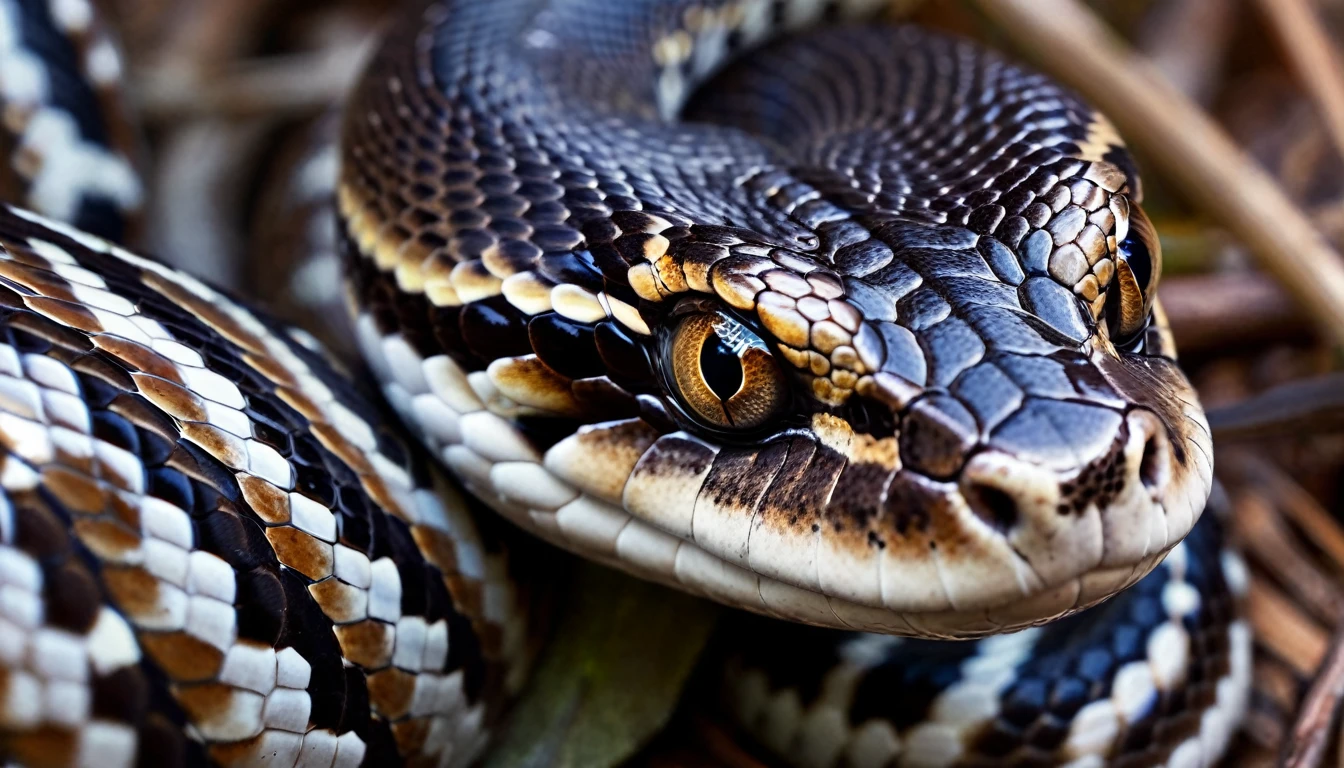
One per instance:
(863, 336)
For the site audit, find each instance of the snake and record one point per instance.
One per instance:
(849, 325)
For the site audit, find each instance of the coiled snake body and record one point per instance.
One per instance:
(862, 335)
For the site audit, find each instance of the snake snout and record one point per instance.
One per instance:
(1097, 522)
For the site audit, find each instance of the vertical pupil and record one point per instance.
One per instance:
(720, 366)
(1140, 263)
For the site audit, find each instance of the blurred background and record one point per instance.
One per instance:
(238, 98)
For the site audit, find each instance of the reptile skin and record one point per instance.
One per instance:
(918, 237)
(849, 325)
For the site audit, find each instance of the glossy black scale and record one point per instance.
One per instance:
(315, 483)
(464, 652)
(69, 592)
(567, 347)
(493, 328)
(353, 527)
(237, 539)
(261, 604)
(212, 480)
(574, 268)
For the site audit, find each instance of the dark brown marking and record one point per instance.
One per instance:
(174, 399)
(227, 447)
(367, 643)
(43, 746)
(390, 692)
(270, 503)
(182, 657)
(139, 357)
(207, 701)
(75, 490)
(410, 737)
(341, 602)
(108, 539)
(70, 313)
(308, 555)
(211, 314)
(740, 477)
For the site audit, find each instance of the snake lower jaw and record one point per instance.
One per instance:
(1010, 542)
(988, 582)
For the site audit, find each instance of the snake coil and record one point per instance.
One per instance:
(844, 324)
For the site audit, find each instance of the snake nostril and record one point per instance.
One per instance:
(1152, 470)
(1150, 448)
(993, 505)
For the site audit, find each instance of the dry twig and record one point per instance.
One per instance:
(1282, 629)
(1193, 152)
(1317, 525)
(207, 33)
(1306, 744)
(1277, 689)
(1187, 40)
(1270, 546)
(1221, 311)
(277, 86)
(1313, 57)
(1306, 406)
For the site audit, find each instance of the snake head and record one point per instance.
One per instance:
(924, 434)
(953, 437)
(858, 368)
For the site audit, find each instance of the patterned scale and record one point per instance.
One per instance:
(1041, 187)
(922, 241)
(213, 548)
(66, 138)
(1157, 676)
(210, 545)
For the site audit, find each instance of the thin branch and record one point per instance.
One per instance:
(1301, 407)
(1187, 40)
(1270, 546)
(1277, 684)
(1221, 311)
(1313, 57)
(1317, 525)
(1277, 690)
(1307, 743)
(1191, 150)
(1281, 628)
(277, 85)
(208, 32)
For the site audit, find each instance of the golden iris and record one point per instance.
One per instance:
(724, 373)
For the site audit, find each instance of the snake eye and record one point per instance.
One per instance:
(723, 372)
(1137, 270)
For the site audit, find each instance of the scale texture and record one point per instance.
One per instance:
(915, 249)
(1159, 675)
(852, 326)
(66, 140)
(210, 545)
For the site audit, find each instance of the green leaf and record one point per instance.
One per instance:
(611, 675)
